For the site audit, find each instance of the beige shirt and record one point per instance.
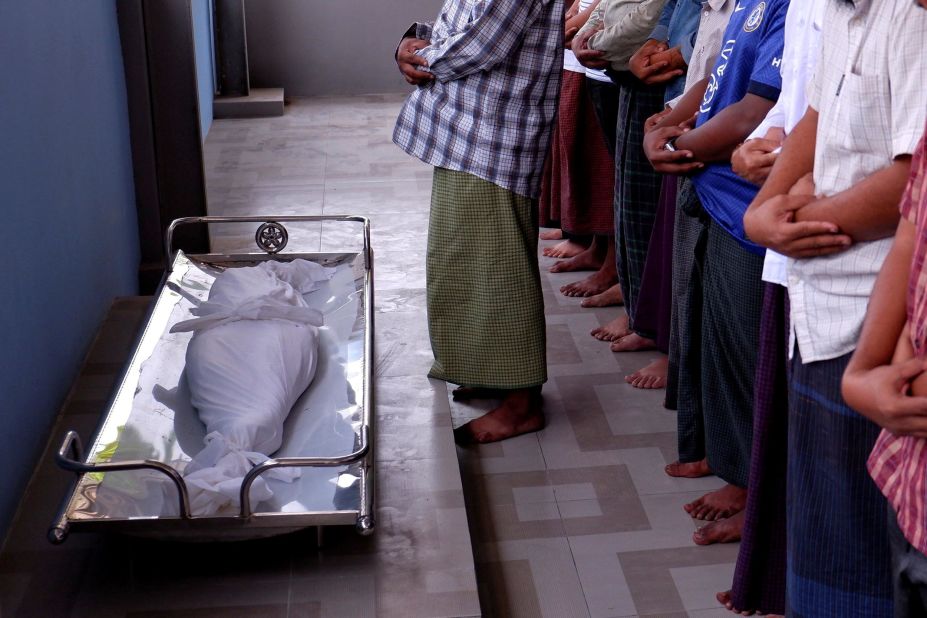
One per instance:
(870, 91)
(627, 26)
(715, 16)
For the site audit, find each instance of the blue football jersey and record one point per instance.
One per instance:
(750, 61)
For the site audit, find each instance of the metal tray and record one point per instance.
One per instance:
(130, 479)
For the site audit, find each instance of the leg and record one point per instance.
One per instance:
(733, 297)
(759, 578)
(598, 282)
(520, 412)
(838, 554)
(493, 334)
(685, 355)
(650, 377)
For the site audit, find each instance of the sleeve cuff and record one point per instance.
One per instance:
(660, 33)
(764, 90)
(904, 144)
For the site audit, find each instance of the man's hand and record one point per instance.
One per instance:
(665, 161)
(589, 58)
(773, 225)
(753, 160)
(651, 123)
(882, 395)
(572, 12)
(408, 61)
(654, 63)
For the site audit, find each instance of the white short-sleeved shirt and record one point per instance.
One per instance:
(869, 92)
(800, 57)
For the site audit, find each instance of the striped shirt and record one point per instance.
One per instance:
(488, 112)
(869, 92)
(898, 464)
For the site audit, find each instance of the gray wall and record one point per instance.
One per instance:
(70, 241)
(317, 47)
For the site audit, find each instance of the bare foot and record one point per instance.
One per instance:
(692, 470)
(614, 330)
(564, 249)
(594, 284)
(587, 259)
(464, 393)
(652, 376)
(721, 531)
(727, 501)
(520, 412)
(724, 598)
(612, 297)
(551, 234)
(633, 343)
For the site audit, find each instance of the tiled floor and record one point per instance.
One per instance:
(578, 520)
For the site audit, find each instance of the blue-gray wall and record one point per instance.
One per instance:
(205, 71)
(69, 240)
(323, 47)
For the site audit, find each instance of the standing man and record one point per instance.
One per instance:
(487, 77)
(867, 104)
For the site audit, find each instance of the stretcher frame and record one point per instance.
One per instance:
(271, 237)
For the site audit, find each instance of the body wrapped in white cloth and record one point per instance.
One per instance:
(253, 353)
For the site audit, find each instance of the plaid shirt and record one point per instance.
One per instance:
(898, 464)
(489, 110)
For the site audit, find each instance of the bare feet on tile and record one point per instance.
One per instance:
(551, 234)
(722, 531)
(652, 376)
(633, 343)
(592, 285)
(614, 330)
(726, 599)
(588, 259)
(465, 393)
(718, 504)
(564, 249)
(612, 297)
(691, 470)
(520, 412)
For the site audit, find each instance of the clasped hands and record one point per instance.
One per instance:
(656, 63)
(409, 61)
(679, 161)
(785, 224)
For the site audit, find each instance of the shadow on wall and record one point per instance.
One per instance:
(324, 47)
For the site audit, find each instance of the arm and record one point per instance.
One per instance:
(619, 40)
(671, 126)
(716, 139)
(871, 384)
(770, 218)
(869, 209)
(574, 23)
(661, 31)
(483, 43)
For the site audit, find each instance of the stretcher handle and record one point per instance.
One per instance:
(70, 457)
(299, 462)
(169, 235)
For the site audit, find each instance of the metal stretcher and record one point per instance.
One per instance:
(130, 479)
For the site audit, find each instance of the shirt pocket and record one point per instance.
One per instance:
(865, 114)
